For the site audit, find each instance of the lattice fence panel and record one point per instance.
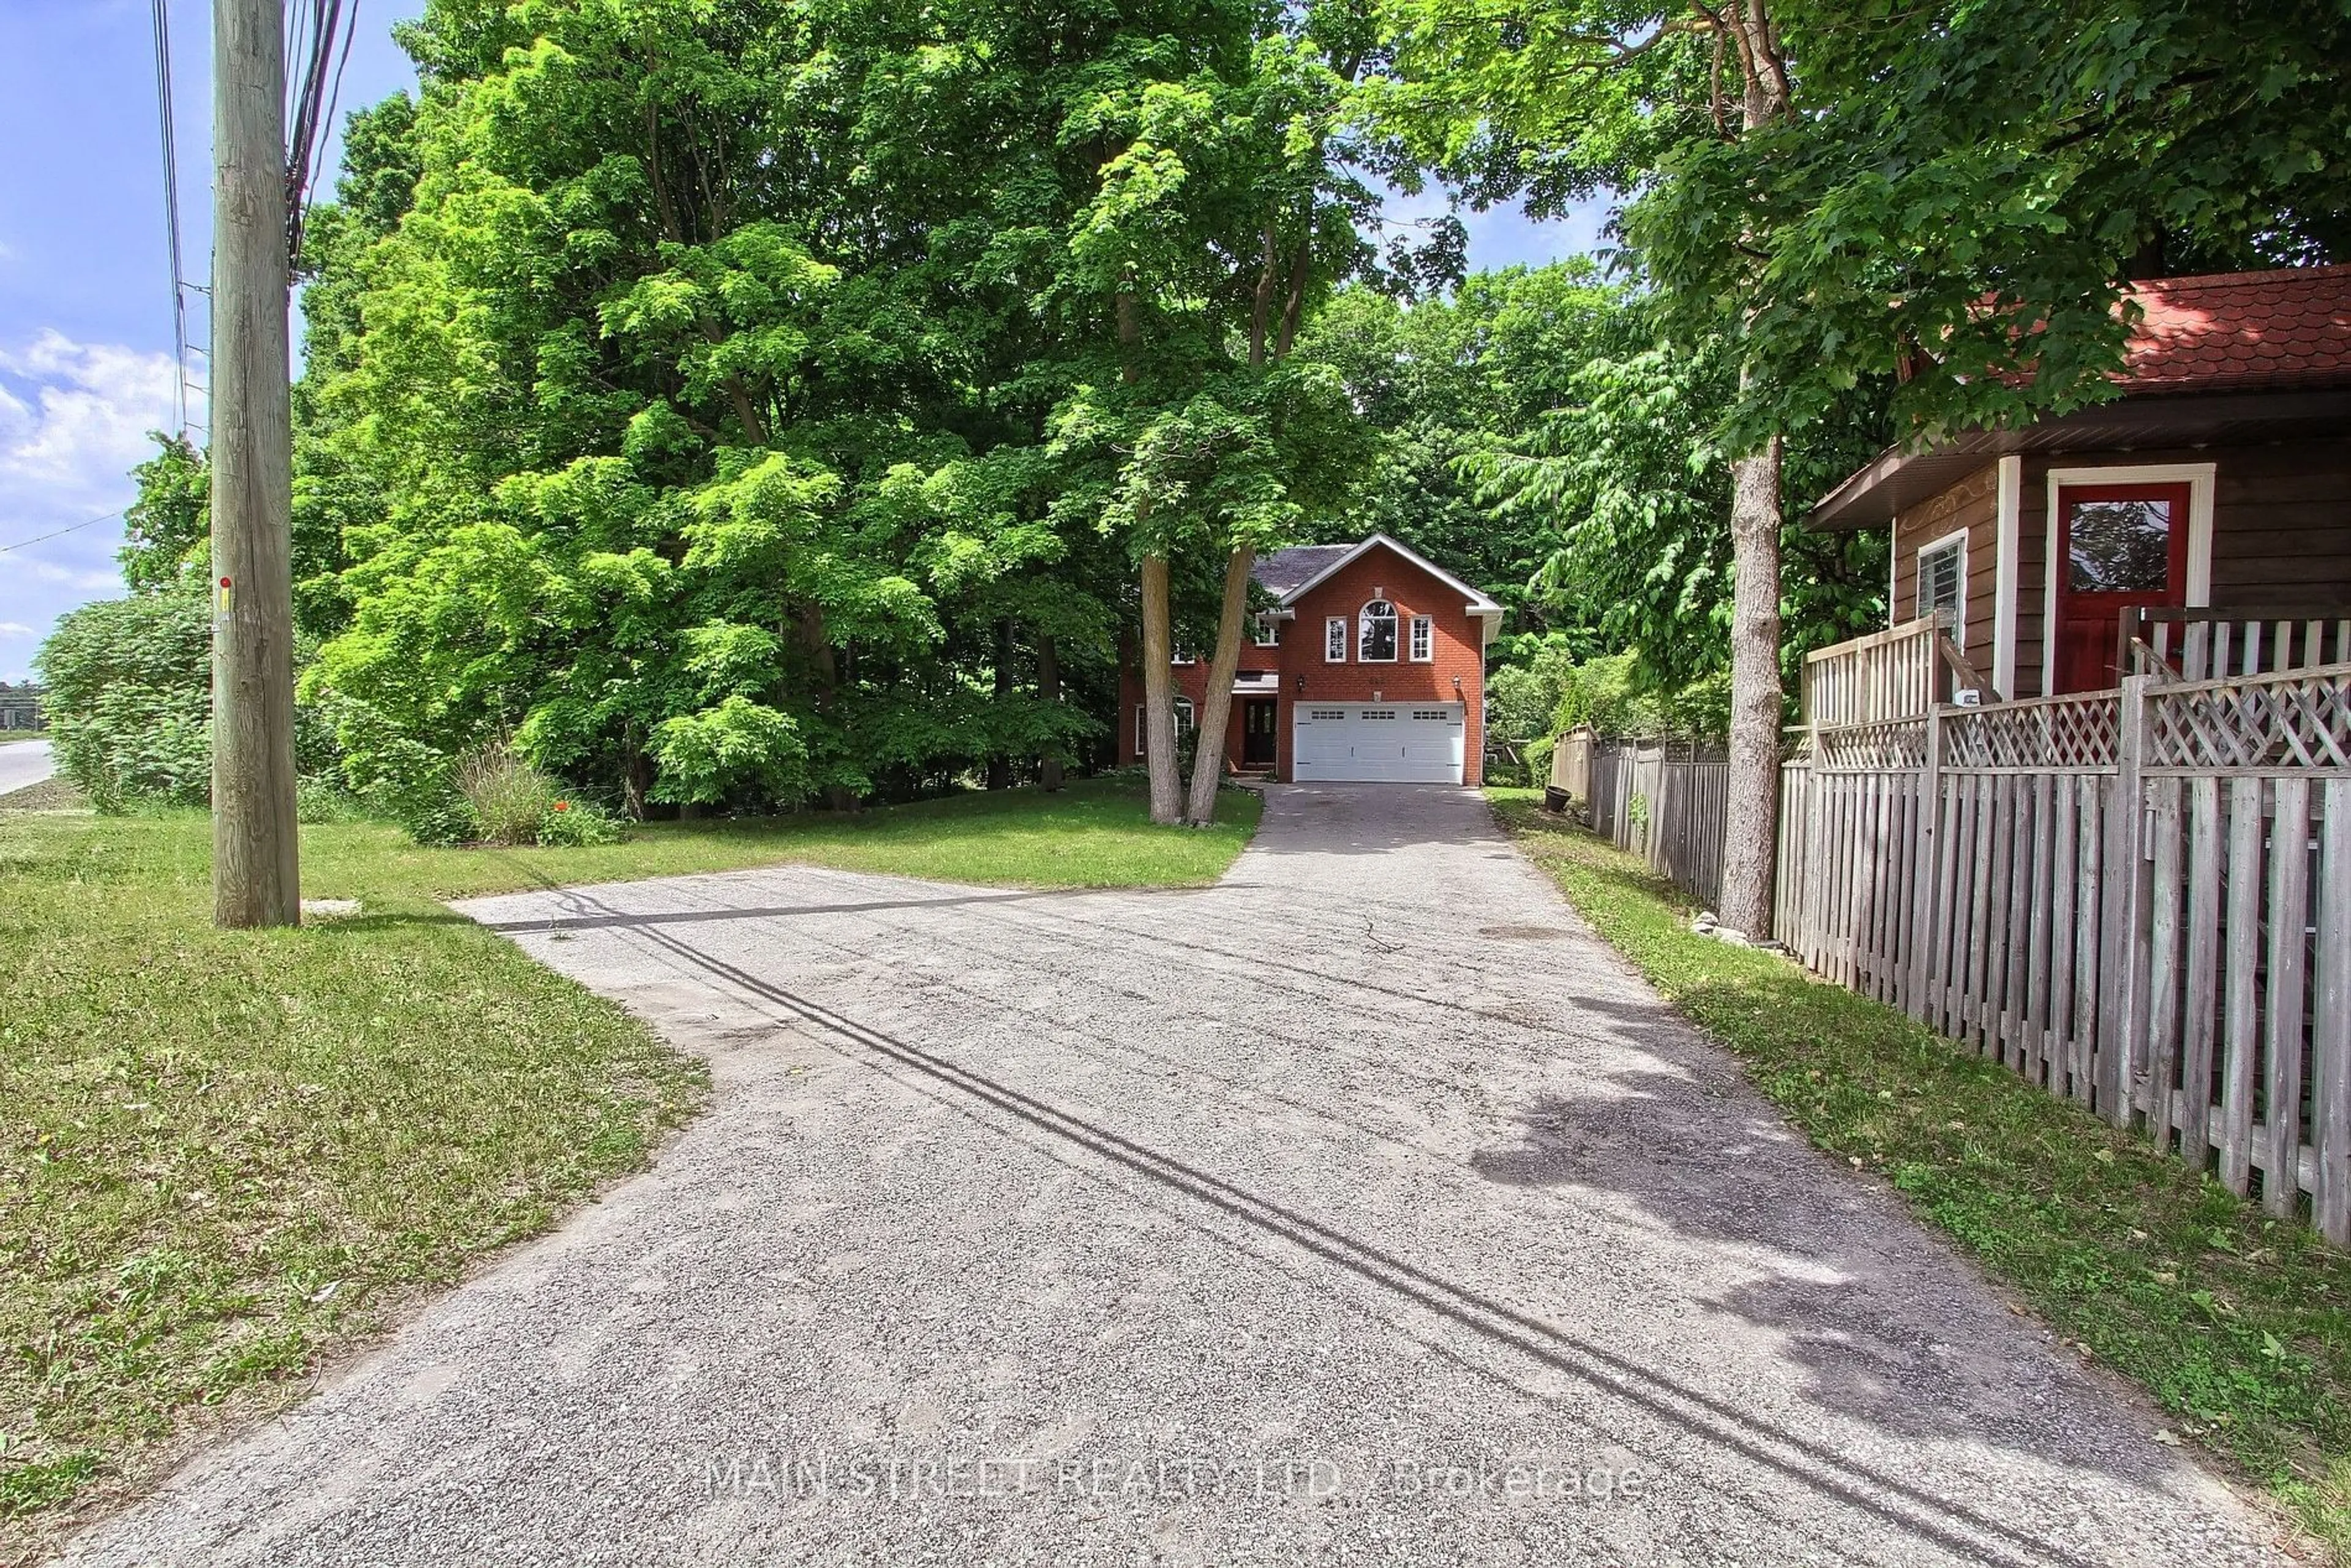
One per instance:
(2069, 734)
(2299, 719)
(1871, 747)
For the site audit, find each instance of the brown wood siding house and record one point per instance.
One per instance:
(2220, 478)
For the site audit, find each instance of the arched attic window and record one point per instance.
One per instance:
(1375, 632)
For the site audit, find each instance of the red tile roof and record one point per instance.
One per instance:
(2289, 327)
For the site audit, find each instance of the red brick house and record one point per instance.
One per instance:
(1368, 666)
(2215, 490)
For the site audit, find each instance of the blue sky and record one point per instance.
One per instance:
(85, 294)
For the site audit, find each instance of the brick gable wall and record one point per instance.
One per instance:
(1379, 573)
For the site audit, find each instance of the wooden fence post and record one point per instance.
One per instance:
(2330, 1041)
(2122, 1023)
(1928, 860)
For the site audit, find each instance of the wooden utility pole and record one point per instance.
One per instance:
(256, 874)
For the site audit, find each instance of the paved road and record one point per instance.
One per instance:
(1364, 1209)
(24, 763)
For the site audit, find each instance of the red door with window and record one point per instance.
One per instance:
(2119, 547)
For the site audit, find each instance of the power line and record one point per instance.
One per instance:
(318, 37)
(161, 13)
(59, 533)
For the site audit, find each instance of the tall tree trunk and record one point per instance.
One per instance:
(1208, 756)
(1048, 691)
(1158, 645)
(1159, 696)
(636, 772)
(999, 766)
(1751, 814)
(816, 642)
(1751, 818)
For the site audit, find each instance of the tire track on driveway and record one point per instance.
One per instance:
(1316, 1178)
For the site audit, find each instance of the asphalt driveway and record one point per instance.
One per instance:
(25, 763)
(1364, 1209)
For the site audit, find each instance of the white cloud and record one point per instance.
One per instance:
(98, 581)
(15, 628)
(74, 419)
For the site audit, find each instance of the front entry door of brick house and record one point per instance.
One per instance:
(2119, 547)
(1257, 731)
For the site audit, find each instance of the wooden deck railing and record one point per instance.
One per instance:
(1888, 675)
(2219, 642)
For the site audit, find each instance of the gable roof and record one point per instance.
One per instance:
(2228, 356)
(1293, 573)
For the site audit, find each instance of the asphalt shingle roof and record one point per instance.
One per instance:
(2291, 326)
(1285, 569)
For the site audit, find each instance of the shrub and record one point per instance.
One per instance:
(413, 784)
(130, 697)
(510, 799)
(1522, 693)
(318, 799)
(574, 824)
(737, 744)
(1537, 760)
(1606, 693)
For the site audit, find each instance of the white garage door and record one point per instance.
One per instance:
(1393, 743)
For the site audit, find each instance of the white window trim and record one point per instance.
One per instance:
(1894, 571)
(1918, 581)
(1338, 624)
(1185, 719)
(1265, 632)
(2199, 478)
(2007, 545)
(1362, 615)
(1420, 639)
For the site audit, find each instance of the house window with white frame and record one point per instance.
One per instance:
(1375, 633)
(1943, 583)
(1422, 641)
(1184, 721)
(1334, 640)
(1265, 630)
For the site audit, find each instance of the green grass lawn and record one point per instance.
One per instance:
(2238, 1324)
(223, 1155)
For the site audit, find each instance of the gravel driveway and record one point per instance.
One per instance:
(1364, 1209)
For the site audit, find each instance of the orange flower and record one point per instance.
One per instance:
(563, 805)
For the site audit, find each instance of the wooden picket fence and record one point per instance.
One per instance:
(2139, 900)
(1667, 801)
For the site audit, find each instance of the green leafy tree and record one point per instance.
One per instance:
(1974, 184)
(1629, 477)
(1449, 378)
(167, 530)
(1564, 98)
(1223, 211)
(650, 383)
